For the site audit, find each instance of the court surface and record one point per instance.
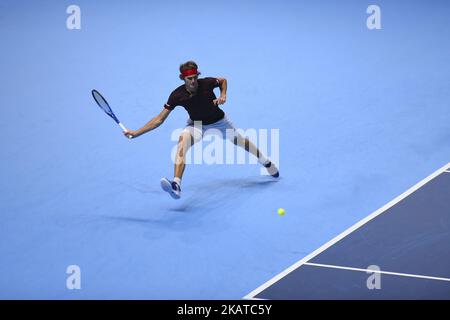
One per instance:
(362, 115)
(401, 251)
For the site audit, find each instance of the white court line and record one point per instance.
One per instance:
(346, 232)
(375, 271)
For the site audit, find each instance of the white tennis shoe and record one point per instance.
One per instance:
(271, 169)
(171, 187)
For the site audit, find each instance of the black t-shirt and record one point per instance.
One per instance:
(199, 106)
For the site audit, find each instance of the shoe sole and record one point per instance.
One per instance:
(269, 166)
(167, 187)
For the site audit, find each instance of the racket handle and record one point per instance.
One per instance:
(125, 130)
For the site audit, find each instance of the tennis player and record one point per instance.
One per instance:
(198, 98)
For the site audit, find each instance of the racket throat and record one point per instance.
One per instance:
(123, 127)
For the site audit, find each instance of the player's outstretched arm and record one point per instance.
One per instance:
(152, 124)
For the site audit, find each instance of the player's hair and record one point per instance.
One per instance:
(188, 65)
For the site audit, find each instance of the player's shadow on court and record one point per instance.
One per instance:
(220, 193)
(199, 199)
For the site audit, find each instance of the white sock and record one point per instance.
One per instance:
(177, 180)
(262, 159)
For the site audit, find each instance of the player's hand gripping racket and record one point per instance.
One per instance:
(103, 104)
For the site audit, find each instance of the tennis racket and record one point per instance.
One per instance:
(103, 104)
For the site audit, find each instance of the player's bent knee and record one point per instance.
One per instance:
(185, 140)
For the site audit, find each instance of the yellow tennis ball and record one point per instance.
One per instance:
(281, 211)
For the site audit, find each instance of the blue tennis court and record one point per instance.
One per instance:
(359, 115)
(405, 243)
